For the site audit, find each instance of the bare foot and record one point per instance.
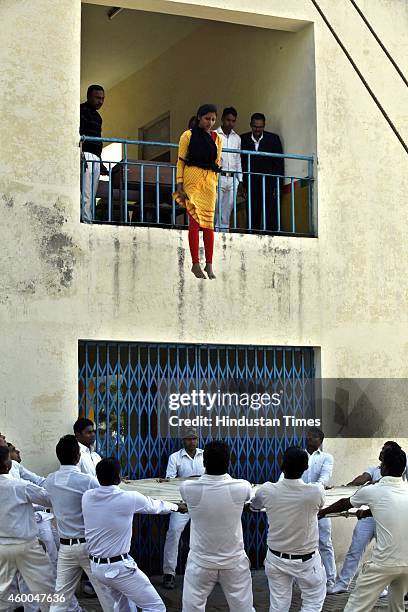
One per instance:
(197, 271)
(209, 269)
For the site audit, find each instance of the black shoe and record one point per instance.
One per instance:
(168, 581)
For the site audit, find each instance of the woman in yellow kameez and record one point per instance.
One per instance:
(197, 180)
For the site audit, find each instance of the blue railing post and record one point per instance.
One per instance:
(110, 193)
(263, 201)
(278, 200)
(126, 182)
(310, 193)
(249, 193)
(142, 193)
(92, 207)
(234, 195)
(83, 164)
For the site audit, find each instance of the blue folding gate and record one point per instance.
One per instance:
(123, 387)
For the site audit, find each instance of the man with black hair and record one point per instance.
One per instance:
(91, 125)
(20, 550)
(364, 531)
(231, 170)
(388, 564)
(14, 453)
(65, 489)
(84, 430)
(291, 506)
(257, 187)
(215, 502)
(108, 514)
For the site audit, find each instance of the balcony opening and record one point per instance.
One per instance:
(156, 70)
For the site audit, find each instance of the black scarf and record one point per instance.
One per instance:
(202, 150)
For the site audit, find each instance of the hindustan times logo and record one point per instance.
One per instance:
(208, 401)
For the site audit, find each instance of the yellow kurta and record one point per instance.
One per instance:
(199, 185)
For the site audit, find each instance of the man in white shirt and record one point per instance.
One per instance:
(320, 471)
(364, 531)
(388, 565)
(215, 502)
(231, 171)
(20, 550)
(185, 463)
(65, 489)
(108, 514)
(47, 533)
(84, 430)
(292, 506)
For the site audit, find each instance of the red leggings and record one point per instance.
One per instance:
(193, 240)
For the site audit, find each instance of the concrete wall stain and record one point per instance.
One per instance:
(181, 256)
(56, 248)
(8, 200)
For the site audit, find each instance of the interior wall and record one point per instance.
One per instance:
(255, 70)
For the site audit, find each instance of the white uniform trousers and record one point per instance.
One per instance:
(225, 201)
(72, 560)
(90, 177)
(363, 533)
(177, 524)
(371, 581)
(326, 550)
(127, 582)
(310, 576)
(236, 584)
(33, 563)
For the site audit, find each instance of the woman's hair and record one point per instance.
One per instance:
(192, 123)
(206, 108)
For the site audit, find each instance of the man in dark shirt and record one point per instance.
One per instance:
(260, 140)
(91, 125)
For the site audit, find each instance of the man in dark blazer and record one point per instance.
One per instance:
(260, 140)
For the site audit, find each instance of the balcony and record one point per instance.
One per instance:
(138, 192)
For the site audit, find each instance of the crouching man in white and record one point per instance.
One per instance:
(388, 565)
(19, 546)
(293, 535)
(108, 513)
(215, 502)
(66, 488)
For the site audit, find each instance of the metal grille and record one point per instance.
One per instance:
(123, 387)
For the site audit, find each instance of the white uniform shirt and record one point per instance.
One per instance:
(256, 142)
(66, 488)
(388, 502)
(181, 465)
(17, 522)
(108, 515)
(320, 468)
(19, 472)
(291, 507)
(231, 162)
(215, 505)
(89, 460)
(375, 472)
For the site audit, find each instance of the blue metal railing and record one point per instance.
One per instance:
(138, 192)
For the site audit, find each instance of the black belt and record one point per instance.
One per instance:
(288, 556)
(224, 173)
(108, 559)
(71, 541)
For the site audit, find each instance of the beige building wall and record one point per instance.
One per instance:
(61, 281)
